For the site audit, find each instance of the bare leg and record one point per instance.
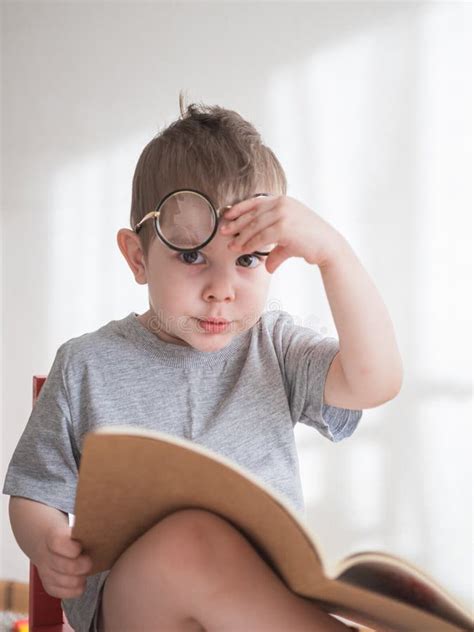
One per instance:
(195, 572)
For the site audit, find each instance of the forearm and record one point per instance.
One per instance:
(30, 521)
(369, 353)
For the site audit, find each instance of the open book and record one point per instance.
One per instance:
(130, 479)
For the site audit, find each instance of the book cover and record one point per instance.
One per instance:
(131, 478)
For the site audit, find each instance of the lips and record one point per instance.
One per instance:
(214, 327)
(215, 321)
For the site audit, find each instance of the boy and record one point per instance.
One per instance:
(238, 388)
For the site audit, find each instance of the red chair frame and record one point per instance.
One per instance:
(45, 613)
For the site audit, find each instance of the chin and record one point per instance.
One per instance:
(214, 343)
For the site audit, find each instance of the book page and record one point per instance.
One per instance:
(393, 581)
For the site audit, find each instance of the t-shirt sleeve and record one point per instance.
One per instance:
(45, 462)
(305, 357)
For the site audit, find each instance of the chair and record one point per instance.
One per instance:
(45, 613)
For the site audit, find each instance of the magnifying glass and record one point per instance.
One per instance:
(186, 220)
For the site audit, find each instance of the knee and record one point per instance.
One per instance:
(180, 549)
(193, 541)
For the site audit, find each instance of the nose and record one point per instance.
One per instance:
(220, 287)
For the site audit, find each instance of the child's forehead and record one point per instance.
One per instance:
(231, 192)
(221, 191)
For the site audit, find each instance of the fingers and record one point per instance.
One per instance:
(80, 566)
(59, 541)
(249, 203)
(65, 553)
(277, 256)
(64, 587)
(262, 242)
(64, 567)
(257, 239)
(233, 226)
(61, 585)
(250, 226)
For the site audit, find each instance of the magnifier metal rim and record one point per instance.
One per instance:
(214, 214)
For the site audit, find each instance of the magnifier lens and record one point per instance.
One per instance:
(186, 220)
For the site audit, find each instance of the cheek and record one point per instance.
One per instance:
(255, 293)
(173, 295)
(176, 292)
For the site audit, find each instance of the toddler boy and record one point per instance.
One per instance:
(205, 362)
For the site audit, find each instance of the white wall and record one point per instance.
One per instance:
(368, 108)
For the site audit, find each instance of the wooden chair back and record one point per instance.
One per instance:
(45, 613)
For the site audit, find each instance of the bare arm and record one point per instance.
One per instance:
(368, 370)
(44, 535)
(30, 521)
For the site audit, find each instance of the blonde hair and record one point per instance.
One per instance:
(210, 149)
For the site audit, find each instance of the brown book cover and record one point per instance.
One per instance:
(131, 478)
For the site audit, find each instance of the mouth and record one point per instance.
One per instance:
(214, 326)
(217, 321)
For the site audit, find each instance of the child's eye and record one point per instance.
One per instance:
(188, 258)
(182, 256)
(256, 259)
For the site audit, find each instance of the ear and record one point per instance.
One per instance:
(131, 248)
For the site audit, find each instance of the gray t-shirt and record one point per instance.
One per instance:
(242, 401)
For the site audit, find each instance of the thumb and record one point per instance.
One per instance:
(58, 540)
(72, 547)
(276, 258)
